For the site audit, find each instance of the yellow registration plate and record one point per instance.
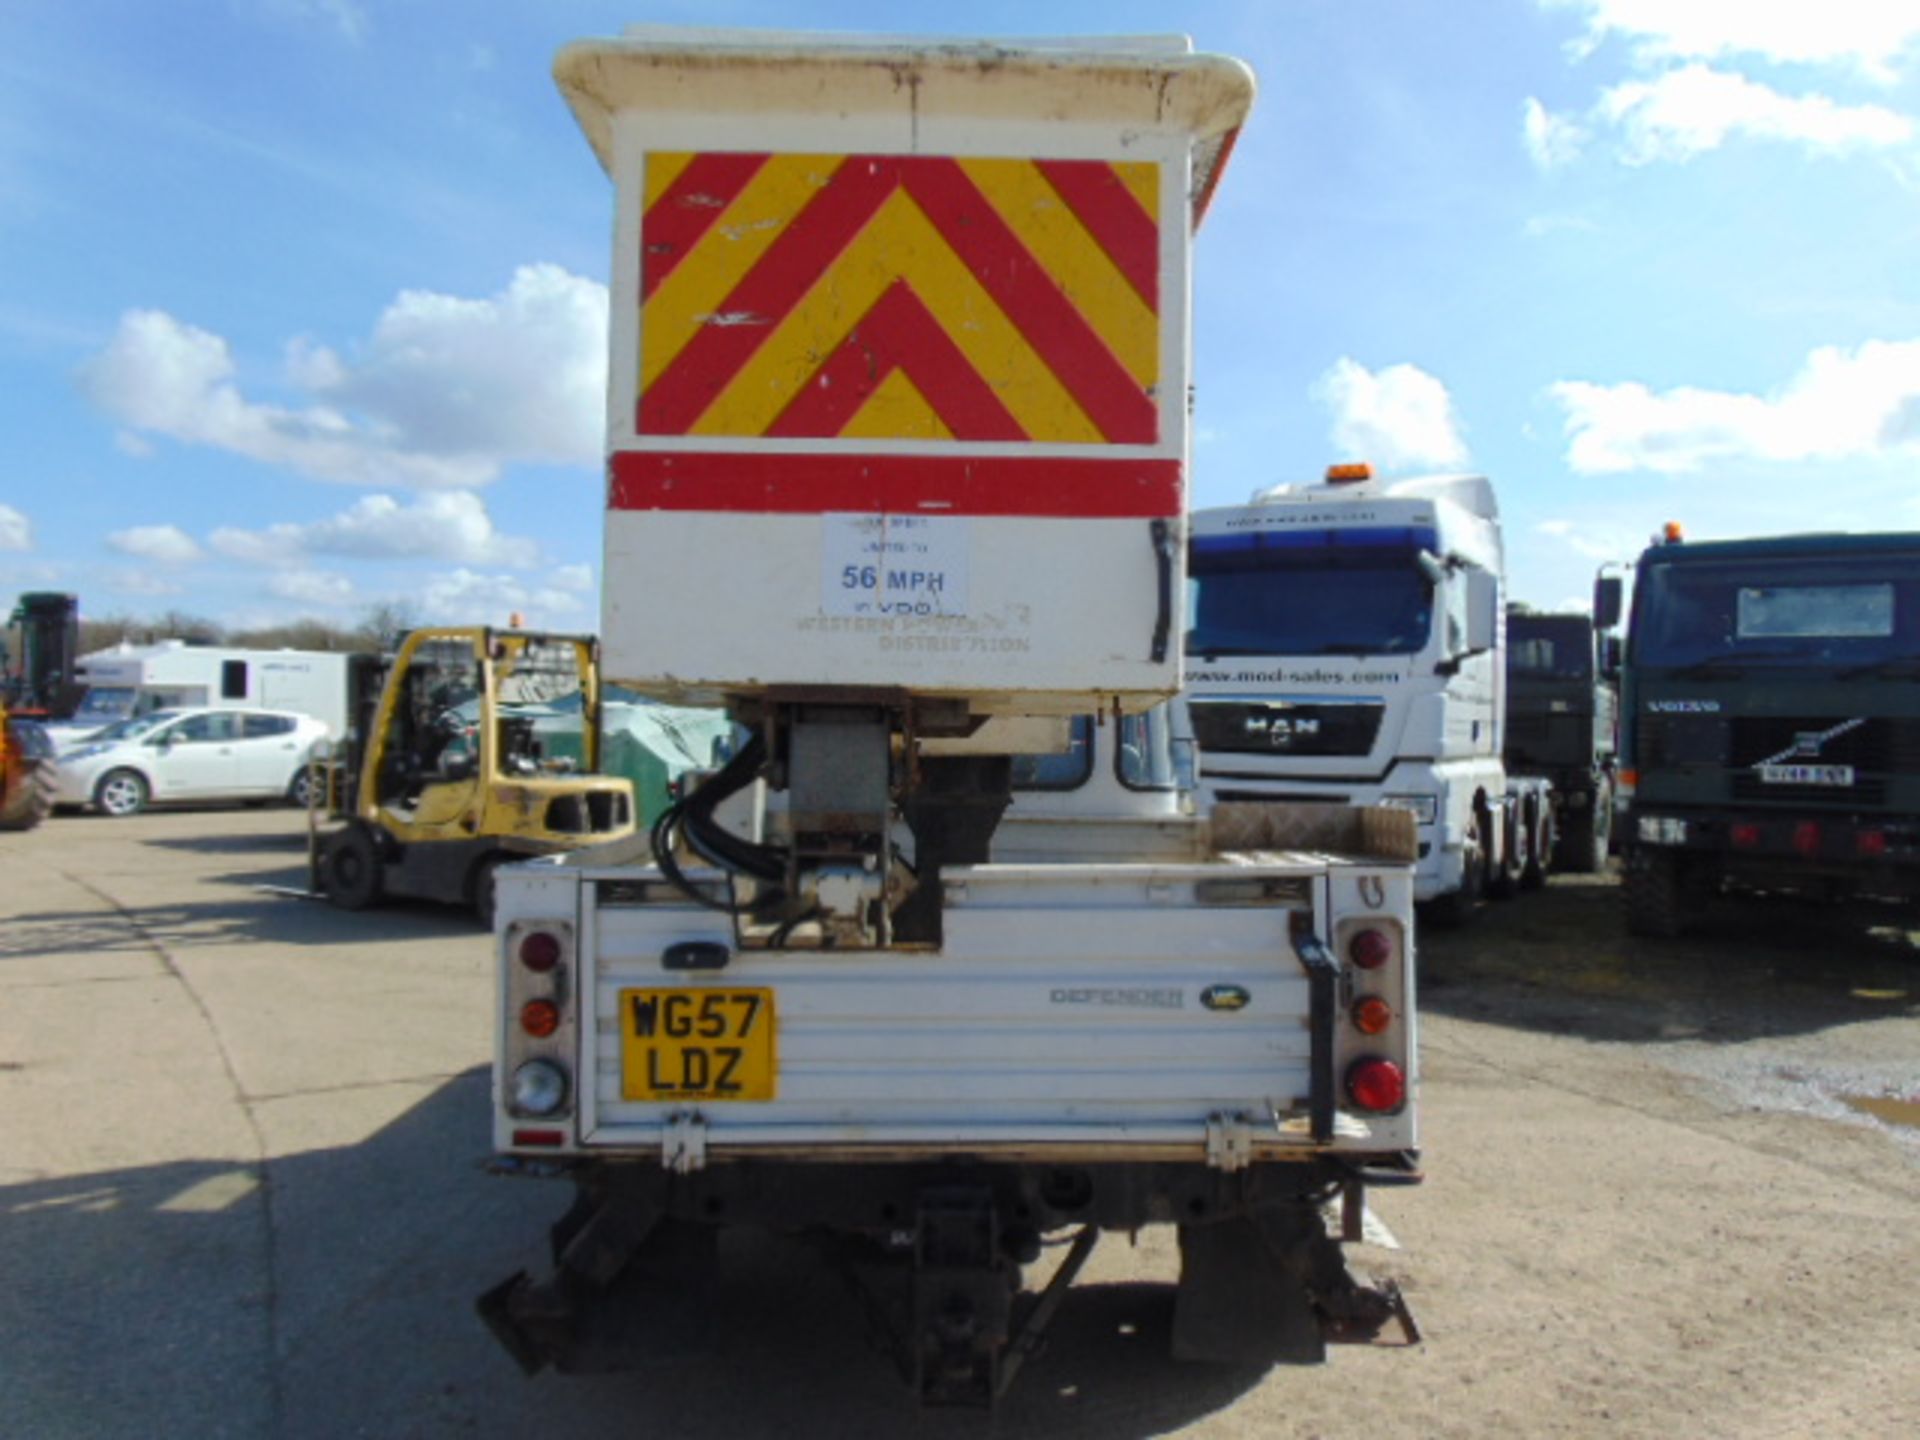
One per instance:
(696, 1044)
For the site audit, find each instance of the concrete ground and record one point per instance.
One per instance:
(1674, 1189)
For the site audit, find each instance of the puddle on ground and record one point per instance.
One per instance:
(1885, 1107)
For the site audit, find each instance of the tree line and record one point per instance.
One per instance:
(376, 630)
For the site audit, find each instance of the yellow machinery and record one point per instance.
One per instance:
(26, 772)
(472, 747)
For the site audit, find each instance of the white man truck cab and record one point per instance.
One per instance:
(1347, 648)
(941, 962)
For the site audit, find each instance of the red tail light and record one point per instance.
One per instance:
(1370, 949)
(540, 1018)
(1375, 1084)
(1745, 835)
(540, 951)
(1372, 1015)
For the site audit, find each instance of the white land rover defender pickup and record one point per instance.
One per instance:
(941, 962)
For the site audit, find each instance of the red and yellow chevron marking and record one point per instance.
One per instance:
(900, 297)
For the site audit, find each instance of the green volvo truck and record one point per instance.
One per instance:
(1771, 734)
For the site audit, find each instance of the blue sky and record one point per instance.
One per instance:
(302, 301)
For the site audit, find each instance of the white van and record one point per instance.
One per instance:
(131, 680)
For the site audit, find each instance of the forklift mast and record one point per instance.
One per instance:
(40, 681)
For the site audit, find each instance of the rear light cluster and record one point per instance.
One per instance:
(539, 1083)
(1376, 1084)
(1370, 949)
(540, 951)
(1374, 980)
(1806, 837)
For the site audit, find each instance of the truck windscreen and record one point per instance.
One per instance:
(1357, 591)
(1549, 649)
(1839, 610)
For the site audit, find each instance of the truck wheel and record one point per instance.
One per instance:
(1655, 894)
(1457, 907)
(1540, 851)
(1586, 843)
(121, 793)
(350, 870)
(1503, 877)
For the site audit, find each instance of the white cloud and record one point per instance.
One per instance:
(444, 394)
(1538, 227)
(449, 525)
(1686, 112)
(16, 531)
(312, 587)
(1606, 545)
(166, 544)
(1401, 418)
(466, 597)
(1867, 34)
(1842, 404)
(573, 577)
(145, 584)
(1551, 140)
(343, 15)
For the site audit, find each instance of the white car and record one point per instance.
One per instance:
(198, 754)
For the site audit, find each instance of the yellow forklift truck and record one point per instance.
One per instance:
(470, 748)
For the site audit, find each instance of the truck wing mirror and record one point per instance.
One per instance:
(1483, 610)
(1606, 602)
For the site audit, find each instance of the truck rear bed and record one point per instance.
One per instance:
(1111, 1011)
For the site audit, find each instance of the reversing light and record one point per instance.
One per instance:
(540, 951)
(540, 1018)
(539, 1088)
(1370, 949)
(1375, 1084)
(1372, 1015)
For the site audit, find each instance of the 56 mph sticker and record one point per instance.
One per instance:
(893, 565)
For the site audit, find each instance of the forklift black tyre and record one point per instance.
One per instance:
(350, 871)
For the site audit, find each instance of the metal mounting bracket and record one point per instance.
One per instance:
(683, 1143)
(1229, 1142)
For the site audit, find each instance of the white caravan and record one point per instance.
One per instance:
(942, 962)
(131, 680)
(1347, 647)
